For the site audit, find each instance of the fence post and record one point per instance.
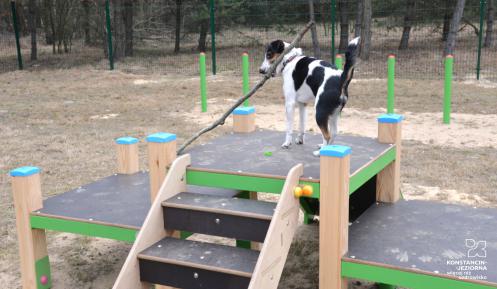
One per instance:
(333, 22)
(391, 84)
(449, 67)
(246, 76)
(203, 82)
(480, 38)
(339, 61)
(109, 34)
(213, 35)
(16, 31)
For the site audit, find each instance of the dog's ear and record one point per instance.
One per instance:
(277, 46)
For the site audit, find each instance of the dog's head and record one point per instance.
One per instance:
(273, 50)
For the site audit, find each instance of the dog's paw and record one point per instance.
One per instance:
(299, 140)
(320, 145)
(315, 218)
(286, 145)
(316, 153)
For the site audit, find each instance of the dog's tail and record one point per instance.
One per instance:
(350, 61)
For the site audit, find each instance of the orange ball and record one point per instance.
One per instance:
(298, 192)
(307, 191)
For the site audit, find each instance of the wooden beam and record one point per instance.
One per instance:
(334, 215)
(244, 119)
(161, 153)
(26, 190)
(267, 272)
(153, 230)
(388, 180)
(127, 155)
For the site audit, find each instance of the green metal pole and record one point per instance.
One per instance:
(333, 23)
(109, 34)
(391, 84)
(245, 76)
(203, 82)
(213, 35)
(449, 68)
(16, 31)
(339, 61)
(480, 37)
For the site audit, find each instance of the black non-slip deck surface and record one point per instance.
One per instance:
(429, 236)
(212, 256)
(121, 200)
(246, 153)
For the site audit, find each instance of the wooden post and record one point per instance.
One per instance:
(388, 180)
(35, 266)
(161, 154)
(334, 214)
(244, 119)
(127, 155)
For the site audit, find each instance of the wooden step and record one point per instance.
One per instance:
(226, 217)
(193, 265)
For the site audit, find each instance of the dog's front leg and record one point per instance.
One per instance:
(290, 110)
(303, 119)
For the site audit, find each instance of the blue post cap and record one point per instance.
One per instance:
(390, 118)
(161, 137)
(24, 171)
(336, 151)
(127, 140)
(244, 110)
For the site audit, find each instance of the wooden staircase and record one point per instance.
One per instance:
(159, 258)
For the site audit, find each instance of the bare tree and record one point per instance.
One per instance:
(408, 20)
(177, 39)
(314, 34)
(86, 21)
(450, 45)
(32, 16)
(366, 30)
(447, 17)
(344, 25)
(359, 17)
(489, 40)
(128, 27)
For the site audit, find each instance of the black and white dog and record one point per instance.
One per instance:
(307, 80)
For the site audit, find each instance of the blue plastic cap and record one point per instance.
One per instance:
(24, 171)
(161, 137)
(336, 151)
(127, 140)
(390, 118)
(244, 110)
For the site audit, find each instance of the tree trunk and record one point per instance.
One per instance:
(32, 9)
(359, 18)
(408, 20)
(202, 39)
(450, 45)
(86, 21)
(128, 27)
(314, 34)
(366, 30)
(447, 17)
(344, 26)
(177, 39)
(489, 40)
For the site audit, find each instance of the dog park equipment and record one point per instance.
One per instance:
(391, 84)
(203, 81)
(366, 232)
(339, 61)
(245, 76)
(449, 71)
(244, 119)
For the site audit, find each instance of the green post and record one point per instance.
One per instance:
(391, 84)
(339, 61)
(449, 68)
(246, 76)
(203, 82)
(109, 34)
(213, 35)
(333, 23)
(16, 31)
(480, 38)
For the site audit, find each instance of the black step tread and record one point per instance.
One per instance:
(229, 206)
(227, 193)
(207, 256)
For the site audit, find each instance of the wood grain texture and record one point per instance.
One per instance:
(267, 272)
(153, 228)
(334, 220)
(127, 159)
(32, 242)
(244, 123)
(388, 181)
(160, 157)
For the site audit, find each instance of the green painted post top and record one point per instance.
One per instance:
(24, 171)
(127, 140)
(161, 137)
(336, 151)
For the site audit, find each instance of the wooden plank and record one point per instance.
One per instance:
(388, 181)
(127, 158)
(153, 227)
(334, 220)
(275, 249)
(160, 157)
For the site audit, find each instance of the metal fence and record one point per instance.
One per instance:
(157, 36)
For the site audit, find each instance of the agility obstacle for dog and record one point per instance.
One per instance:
(366, 230)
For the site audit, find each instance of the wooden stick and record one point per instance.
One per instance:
(254, 89)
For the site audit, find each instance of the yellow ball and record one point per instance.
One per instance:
(307, 191)
(298, 192)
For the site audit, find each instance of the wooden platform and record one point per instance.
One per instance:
(428, 238)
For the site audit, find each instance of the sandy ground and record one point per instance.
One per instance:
(64, 121)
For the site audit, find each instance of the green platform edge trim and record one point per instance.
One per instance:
(412, 280)
(361, 177)
(42, 267)
(83, 228)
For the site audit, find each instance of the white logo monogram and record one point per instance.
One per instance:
(476, 248)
